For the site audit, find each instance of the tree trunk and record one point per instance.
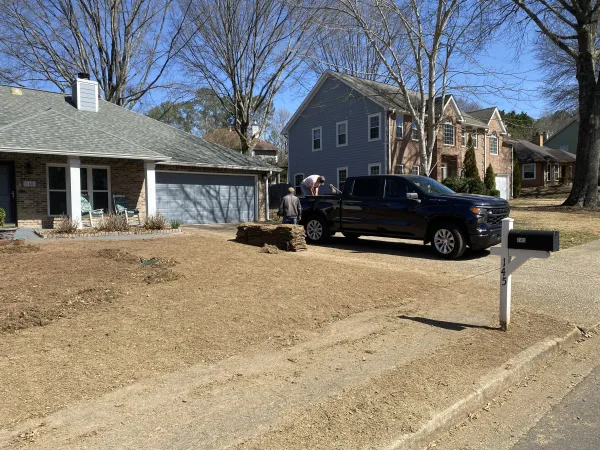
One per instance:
(585, 183)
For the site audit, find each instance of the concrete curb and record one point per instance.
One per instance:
(493, 384)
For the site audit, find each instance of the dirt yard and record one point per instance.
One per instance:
(82, 319)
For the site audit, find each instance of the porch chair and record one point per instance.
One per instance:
(120, 202)
(86, 209)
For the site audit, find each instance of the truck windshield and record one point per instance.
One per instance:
(430, 186)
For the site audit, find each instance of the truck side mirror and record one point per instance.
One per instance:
(412, 196)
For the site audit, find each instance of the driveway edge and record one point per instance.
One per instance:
(490, 386)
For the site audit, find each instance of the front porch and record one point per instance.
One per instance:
(44, 188)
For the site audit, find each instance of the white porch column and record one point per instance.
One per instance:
(74, 192)
(150, 188)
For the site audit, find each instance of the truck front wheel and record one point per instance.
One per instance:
(317, 231)
(448, 241)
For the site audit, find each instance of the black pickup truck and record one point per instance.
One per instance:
(407, 207)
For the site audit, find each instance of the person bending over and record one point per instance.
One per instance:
(310, 185)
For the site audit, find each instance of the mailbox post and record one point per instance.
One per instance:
(517, 246)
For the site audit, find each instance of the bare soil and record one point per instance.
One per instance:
(81, 319)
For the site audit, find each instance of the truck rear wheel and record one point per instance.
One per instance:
(448, 241)
(317, 231)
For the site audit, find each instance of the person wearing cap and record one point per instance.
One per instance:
(290, 208)
(310, 185)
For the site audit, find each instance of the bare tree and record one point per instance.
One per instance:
(435, 32)
(246, 50)
(274, 127)
(126, 45)
(342, 46)
(572, 26)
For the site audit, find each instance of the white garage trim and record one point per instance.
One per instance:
(256, 187)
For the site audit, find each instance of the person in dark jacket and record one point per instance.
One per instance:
(290, 208)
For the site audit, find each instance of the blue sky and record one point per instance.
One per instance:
(517, 86)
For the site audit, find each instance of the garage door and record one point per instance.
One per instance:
(502, 186)
(200, 198)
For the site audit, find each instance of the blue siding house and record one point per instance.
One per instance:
(337, 132)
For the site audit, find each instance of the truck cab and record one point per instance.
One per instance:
(407, 207)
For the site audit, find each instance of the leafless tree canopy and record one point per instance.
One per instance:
(432, 34)
(126, 45)
(245, 50)
(342, 46)
(572, 27)
(275, 125)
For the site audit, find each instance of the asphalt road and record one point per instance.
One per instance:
(573, 423)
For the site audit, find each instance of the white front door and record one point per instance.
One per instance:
(502, 185)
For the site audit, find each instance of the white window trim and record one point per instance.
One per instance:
(337, 171)
(369, 127)
(400, 165)
(413, 130)
(401, 136)
(497, 145)
(418, 170)
(374, 165)
(337, 134)
(534, 171)
(557, 172)
(89, 168)
(453, 135)
(463, 136)
(294, 179)
(474, 139)
(549, 172)
(312, 139)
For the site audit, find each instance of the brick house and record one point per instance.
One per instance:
(349, 126)
(56, 148)
(541, 165)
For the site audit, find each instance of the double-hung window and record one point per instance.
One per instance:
(413, 130)
(556, 172)
(342, 175)
(57, 190)
(529, 172)
(95, 187)
(375, 169)
(399, 169)
(399, 127)
(474, 139)
(448, 134)
(298, 178)
(341, 133)
(415, 170)
(463, 136)
(317, 143)
(374, 127)
(493, 144)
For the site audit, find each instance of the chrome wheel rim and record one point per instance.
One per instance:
(444, 241)
(314, 230)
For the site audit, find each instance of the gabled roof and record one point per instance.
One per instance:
(470, 120)
(528, 152)
(486, 115)
(388, 97)
(47, 122)
(265, 146)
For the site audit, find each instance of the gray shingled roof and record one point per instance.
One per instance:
(528, 152)
(470, 120)
(386, 94)
(483, 115)
(44, 121)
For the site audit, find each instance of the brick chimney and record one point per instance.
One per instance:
(538, 139)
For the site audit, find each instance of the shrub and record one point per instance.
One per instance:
(494, 193)
(490, 179)
(114, 222)
(175, 224)
(516, 175)
(155, 222)
(457, 184)
(466, 185)
(2, 217)
(66, 225)
(470, 161)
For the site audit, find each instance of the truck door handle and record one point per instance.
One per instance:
(384, 205)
